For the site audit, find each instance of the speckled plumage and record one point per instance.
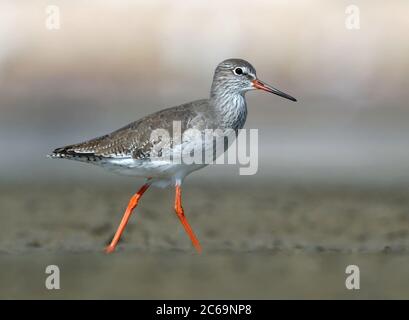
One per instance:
(134, 139)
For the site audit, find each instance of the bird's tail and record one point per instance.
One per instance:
(59, 153)
(69, 152)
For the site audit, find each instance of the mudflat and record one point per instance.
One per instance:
(259, 241)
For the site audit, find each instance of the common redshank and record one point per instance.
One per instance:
(130, 149)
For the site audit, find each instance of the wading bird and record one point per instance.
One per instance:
(130, 149)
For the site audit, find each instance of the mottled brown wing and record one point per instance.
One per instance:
(135, 139)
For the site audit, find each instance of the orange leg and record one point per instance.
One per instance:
(131, 205)
(180, 213)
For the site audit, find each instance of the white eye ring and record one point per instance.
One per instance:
(238, 71)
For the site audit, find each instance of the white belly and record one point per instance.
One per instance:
(161, 172)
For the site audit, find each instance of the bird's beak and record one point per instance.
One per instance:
(262, 86)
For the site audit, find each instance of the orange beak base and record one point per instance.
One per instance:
(265, 87)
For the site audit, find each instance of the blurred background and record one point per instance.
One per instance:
(333, 168)
(113, 62)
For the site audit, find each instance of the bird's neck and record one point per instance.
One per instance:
(231, 108)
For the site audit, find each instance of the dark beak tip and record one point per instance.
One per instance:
(262, 86)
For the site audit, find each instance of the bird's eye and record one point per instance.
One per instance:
(238, 71)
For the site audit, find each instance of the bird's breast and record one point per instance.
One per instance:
(233, 112)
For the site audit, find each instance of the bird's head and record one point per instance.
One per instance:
(237, 76)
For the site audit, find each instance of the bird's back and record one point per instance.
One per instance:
(135, 139)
